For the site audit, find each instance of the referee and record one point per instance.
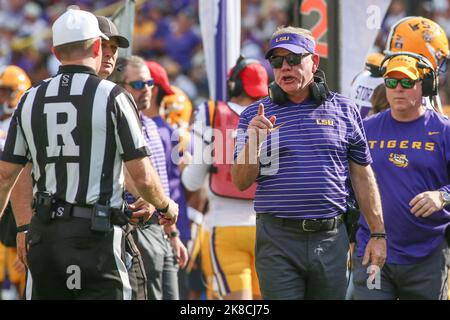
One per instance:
(77, 130)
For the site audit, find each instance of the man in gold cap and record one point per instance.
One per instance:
(410, 147)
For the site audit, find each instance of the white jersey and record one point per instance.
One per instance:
(362, 89)
(223, 211)
(4, 126)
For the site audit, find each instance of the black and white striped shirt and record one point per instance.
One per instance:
(77, 130)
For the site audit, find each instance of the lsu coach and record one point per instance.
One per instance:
(78, 130)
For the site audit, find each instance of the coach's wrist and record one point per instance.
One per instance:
(164, 208)
(378, 235)
(22, 228)
(173, 234)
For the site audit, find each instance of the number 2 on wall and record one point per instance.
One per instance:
(321, 27)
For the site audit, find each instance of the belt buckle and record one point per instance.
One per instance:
(304, 225)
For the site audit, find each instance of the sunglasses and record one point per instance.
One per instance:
(292, 59)
(406, 83)
(140, 84)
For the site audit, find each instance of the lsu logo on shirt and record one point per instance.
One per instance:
(325, 122)
(399, 160)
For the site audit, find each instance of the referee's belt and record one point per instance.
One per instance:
(305, 225)
(66, 210)
(81, 212)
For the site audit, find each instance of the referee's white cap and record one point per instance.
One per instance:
(75, 25)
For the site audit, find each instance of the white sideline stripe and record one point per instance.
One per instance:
(28, 286)
(215, 264)
(117, 244)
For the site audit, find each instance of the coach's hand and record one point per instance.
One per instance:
(171, 216)
(259, 127)
(426, 203)
(22, 247)
(375, 252)
(19, 266)
(142, 211)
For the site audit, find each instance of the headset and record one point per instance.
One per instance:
(318, 90)
(430, 81)
(234, 82)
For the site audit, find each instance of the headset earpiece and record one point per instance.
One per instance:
(276, 94)
(429, 85)
(382, 70)
(318, 89)
(234, 82)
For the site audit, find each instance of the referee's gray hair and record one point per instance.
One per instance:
(118, 75)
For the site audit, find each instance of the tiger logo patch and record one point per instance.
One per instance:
(399, 160)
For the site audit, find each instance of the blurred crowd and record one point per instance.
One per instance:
(24, 34)
(25, 41)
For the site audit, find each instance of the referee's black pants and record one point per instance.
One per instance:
(69, 261)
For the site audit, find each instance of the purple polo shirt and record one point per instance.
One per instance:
(158, 157)
(177, 192)
(409, 158)
(305, 174)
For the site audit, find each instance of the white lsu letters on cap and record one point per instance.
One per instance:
(75, 25)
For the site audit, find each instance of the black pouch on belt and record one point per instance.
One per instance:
(120, 217)
(101, 218)
(43, 204)
(351, 218)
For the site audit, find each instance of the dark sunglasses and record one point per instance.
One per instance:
(140, 84)
(406, 83)
(292, 59)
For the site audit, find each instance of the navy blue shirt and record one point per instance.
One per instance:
(304, 173)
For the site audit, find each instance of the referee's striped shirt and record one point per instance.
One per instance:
(158, 157)
(77, 130)
(311, 152)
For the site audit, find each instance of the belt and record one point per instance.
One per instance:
(305, 225)
(82, 212)
(76, 211)
(73, 210)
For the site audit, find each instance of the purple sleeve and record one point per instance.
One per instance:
(358, 147)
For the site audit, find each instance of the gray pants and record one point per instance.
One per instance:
(293, 264)
(159, 262)
(425, 280)
(135, 266)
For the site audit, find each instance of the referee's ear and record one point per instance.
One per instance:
(96, 47)
(55, 52)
